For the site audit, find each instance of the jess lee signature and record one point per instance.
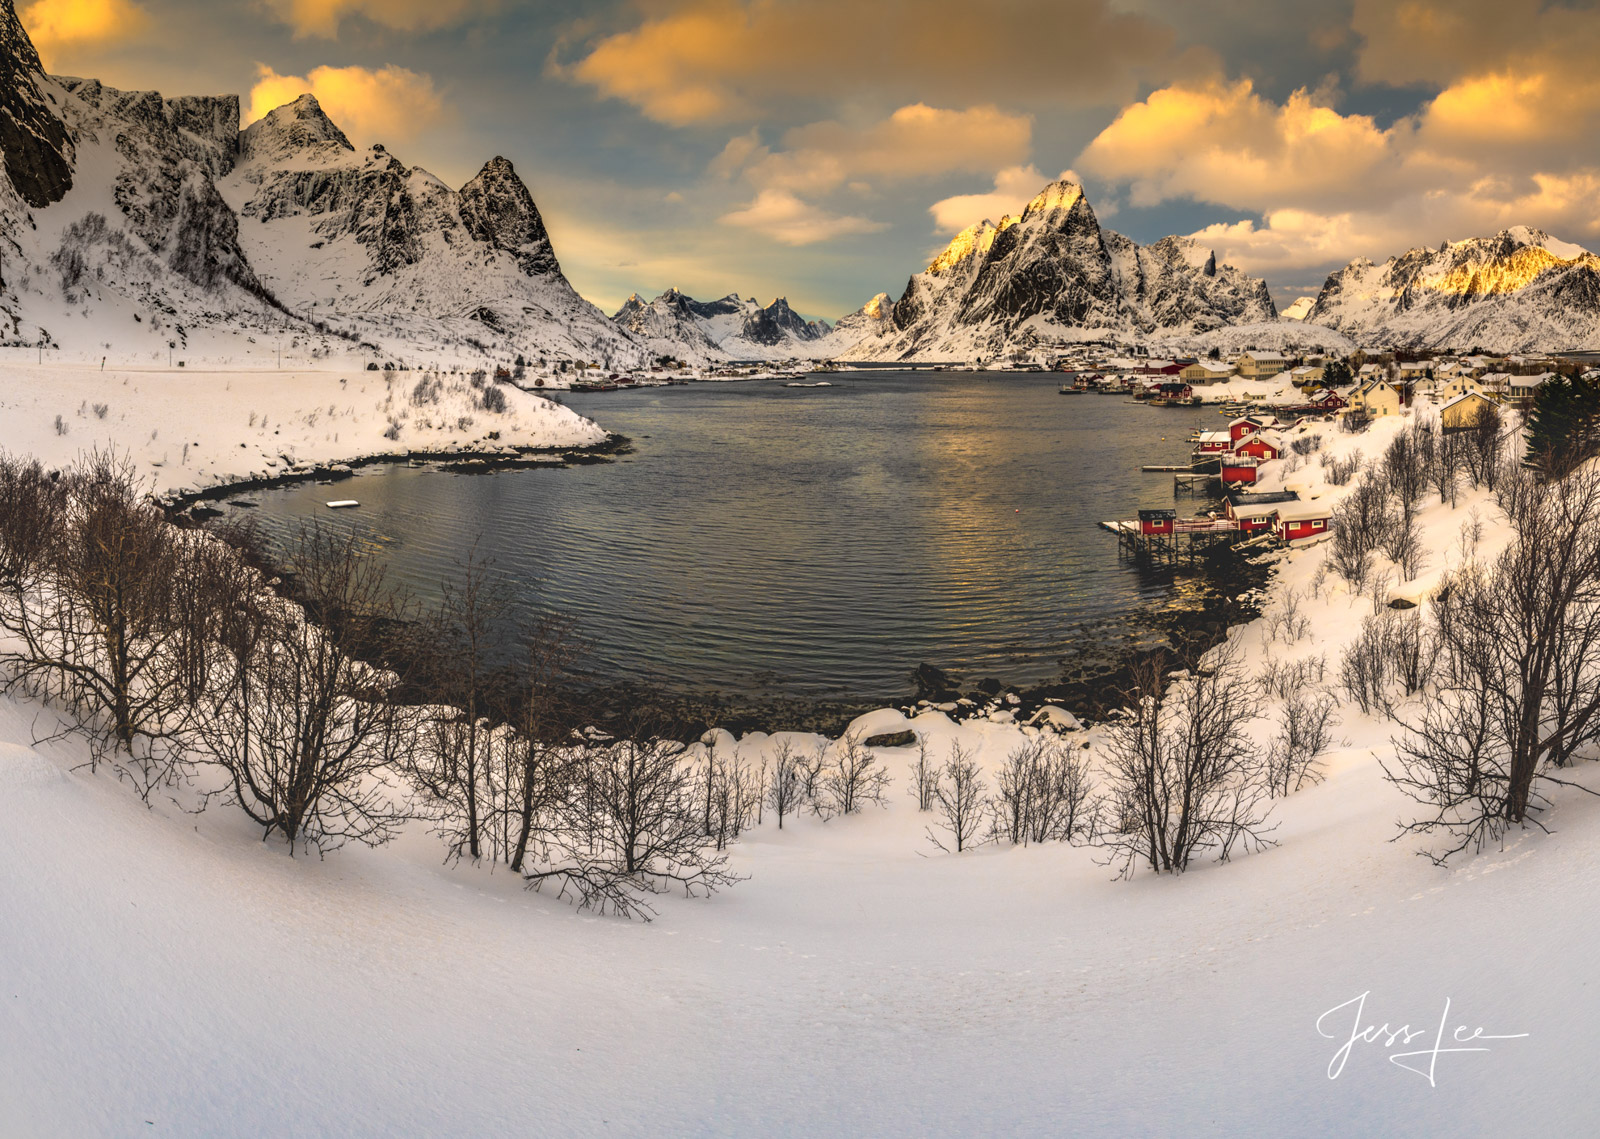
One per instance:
(1348, 1023)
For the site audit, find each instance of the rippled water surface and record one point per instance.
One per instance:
(807, 541)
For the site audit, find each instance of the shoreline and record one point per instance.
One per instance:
(456, 461)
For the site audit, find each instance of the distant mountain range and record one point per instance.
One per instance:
(130, 222)
(1520, 290)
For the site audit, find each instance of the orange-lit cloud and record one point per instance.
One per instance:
(389, 104)
(1014, 188)
(56, 26)
(823, 158)
(323, 17)
(788, 220)
(720, 60)
(914, 141)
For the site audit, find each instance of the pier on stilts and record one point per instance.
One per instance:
(1162, 535)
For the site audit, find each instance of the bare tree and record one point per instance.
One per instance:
(1305, 732)
(1519, 691)
(851, 780)
(924, 775)
(1482, 449)
(786, 788)
(634, 827)
(306, 732)
(1042, 794)
(454, 644)
(958, 801)
(1184, 777)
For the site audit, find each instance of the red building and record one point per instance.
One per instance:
(1249, 425)
(1301, 520)
(1239, 470)
(1157, 521)
(1257, 512)
(1260, 445)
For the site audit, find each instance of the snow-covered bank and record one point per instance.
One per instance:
(192, 428)
(854, 985)
(859, 982)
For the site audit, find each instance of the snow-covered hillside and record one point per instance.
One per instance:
(1520, 290)
(733, 328)
(859, 981)
(1053, 276)
(1299, 309)
(135, 225)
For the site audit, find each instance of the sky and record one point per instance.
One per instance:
(824, 150)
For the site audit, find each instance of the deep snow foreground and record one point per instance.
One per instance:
(162, 973)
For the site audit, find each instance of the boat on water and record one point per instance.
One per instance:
(1072, 389)
(342, 504)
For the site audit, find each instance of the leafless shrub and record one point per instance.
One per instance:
(786, 787)
(1306, 726)
(924, 776)
(1182, 774)
(851, 780)
(1518, 696)
(1042, 794)
(958, 801)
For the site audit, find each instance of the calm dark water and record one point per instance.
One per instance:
(807, 541)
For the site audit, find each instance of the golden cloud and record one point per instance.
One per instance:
(719, 60)
(56, 26)
(1014, 188)
(323, 17)
(821, 158)
(787, 219)
(390, 103)
(1501, 146)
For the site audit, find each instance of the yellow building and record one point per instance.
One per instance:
(1461, 413)
(1260, 365)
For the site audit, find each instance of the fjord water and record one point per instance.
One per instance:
(814, 542)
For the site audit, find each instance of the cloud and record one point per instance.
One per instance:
(1014, 188)
(823, 158)
(789, 220)
(693, 61)
(323, 17)
(390, 103)
(1506, 141)
(59, 25)
(1438, 41)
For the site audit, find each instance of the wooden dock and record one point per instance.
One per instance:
(1189, 538)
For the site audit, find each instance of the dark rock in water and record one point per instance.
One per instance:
(989, 686)
(933, 683)
(892, 739)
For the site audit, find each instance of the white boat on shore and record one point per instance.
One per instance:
(342, 504)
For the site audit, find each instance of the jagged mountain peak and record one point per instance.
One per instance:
(498, 208)
(1053, 275)
(1061, 195)
(298, 126)
(33, 139)
(1517, 289)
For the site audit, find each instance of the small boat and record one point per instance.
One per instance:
(1069, 389)
(342, 504)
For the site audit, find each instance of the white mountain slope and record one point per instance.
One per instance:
(1519, 290)
(732, 328)
(1298, 310)
(134, 226)
(1053, 276)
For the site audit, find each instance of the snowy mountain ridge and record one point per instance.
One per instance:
(1519, 290)
(731, 328)
(140, 225)
(1054, 276)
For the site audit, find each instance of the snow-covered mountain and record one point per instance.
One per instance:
(1519, 290)
(1299, 309)
(732, 328)
(1054, 276)
(132, 222)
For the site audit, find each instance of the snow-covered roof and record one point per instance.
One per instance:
(1212, 437)
(1466, 395)
(1529, 382)
(1265, 357)
(1303, 511)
